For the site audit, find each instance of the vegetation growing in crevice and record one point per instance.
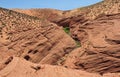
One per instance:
(67, 30)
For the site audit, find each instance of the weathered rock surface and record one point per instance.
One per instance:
(90, 12)
(99, 37)
(49, 14)
(100, 51)
(40, 41)
(101, 8)
(73, 23)
(36, 40)
(22, 68)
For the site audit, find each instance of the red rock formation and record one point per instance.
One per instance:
(22, 68)
(40, 41)
(100, 41)
(50, 14)
(34, 39)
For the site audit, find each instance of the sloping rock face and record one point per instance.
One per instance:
(21, 68)
(101, 8)
(90, 12)
(34, 39)
(73, 23)
(49, 14)
(92, 28)
(74, 18)
(100, 51)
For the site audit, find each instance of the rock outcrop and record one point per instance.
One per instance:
(49, 14)
(100, 49)
(29, 43)
(73, 23)
(22, 68)
(36, 40)
(90, 12)
(93, 11)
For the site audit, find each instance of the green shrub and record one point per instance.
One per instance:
(67, 30)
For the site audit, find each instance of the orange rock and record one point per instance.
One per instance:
(36, 40)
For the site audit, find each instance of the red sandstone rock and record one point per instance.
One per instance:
(100, 49)
(21, 68)
(36, 40)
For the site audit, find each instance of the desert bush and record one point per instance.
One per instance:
(67, 30)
